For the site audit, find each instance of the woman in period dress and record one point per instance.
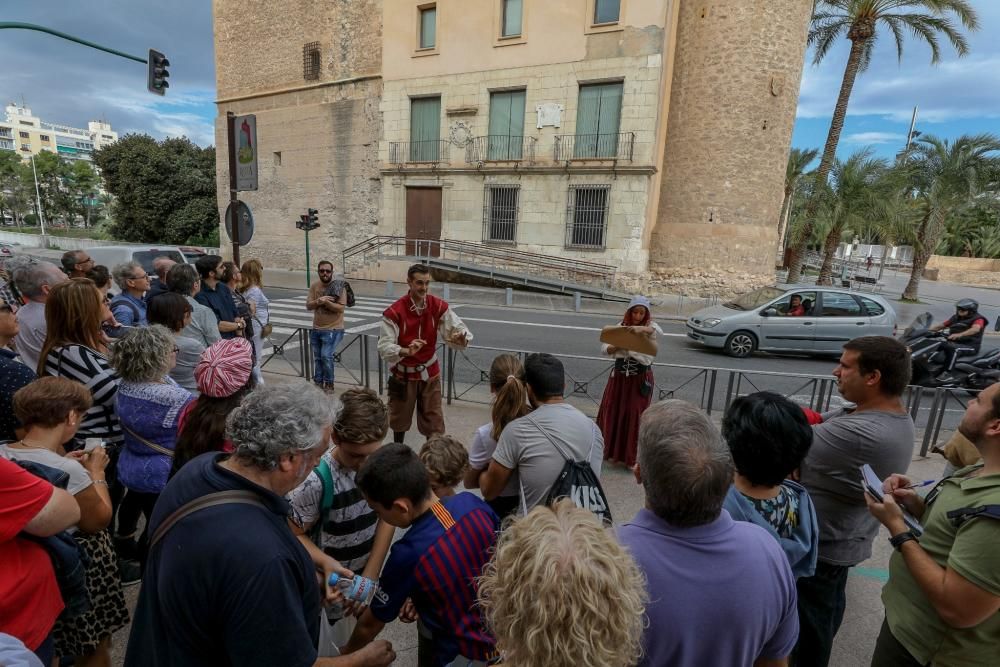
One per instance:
(630, 388)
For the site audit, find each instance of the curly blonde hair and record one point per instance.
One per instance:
(445, 458)
(561, 592)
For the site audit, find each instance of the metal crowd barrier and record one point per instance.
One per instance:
(465, 378)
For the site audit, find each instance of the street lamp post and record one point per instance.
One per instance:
(38, 197)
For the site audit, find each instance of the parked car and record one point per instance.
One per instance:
(112, 256)
(760, 320)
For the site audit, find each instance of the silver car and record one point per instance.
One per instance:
(805, 319)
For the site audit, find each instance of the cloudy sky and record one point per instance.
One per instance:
(955, 97)
(70, 84)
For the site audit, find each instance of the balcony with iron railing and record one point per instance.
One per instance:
(6, 133)
(417, 152)
(618, 146)
(500, 148)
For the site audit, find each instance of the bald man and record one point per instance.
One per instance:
(161, 266)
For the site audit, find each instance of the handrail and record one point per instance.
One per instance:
(473, 251)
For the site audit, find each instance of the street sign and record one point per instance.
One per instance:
(246, 153)
(245, 220)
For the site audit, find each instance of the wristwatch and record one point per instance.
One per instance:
(899, 540)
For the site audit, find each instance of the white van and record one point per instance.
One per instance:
(112, 256)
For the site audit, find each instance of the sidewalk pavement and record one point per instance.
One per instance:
(855, 641)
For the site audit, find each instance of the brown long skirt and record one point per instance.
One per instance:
(618, 417)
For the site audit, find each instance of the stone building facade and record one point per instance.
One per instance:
(649, 135)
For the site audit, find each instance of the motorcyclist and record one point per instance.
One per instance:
(965, 334)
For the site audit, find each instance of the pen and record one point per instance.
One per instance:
(917, 485)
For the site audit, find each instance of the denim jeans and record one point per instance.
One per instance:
(822, 600)
(324, 343)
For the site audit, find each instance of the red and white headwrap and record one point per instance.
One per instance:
(224, 367)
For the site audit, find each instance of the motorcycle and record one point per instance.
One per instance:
(928, 359)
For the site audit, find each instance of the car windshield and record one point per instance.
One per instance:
(754, 299)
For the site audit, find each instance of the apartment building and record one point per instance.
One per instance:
(649, 135)
(28, 134)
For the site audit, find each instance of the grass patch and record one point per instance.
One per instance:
(917, 301)
(65, 232)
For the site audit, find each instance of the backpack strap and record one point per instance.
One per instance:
(159, 449)
(960, 516)
(593, 439)
(198, 504)
(329, 488)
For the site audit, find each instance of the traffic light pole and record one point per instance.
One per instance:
(62, 35)
(308, 264)
(233, 196)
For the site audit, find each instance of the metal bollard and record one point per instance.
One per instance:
(389, 289)
(447, 292)
(577, 302)
(509, 296)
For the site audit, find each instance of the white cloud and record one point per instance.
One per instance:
(869, 138)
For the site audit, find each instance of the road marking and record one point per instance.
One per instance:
(550, 326)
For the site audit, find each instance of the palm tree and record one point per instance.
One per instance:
(857, 191)
(859, 21)
(798, 160)
(947, 177)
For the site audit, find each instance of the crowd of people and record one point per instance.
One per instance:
(279, 528)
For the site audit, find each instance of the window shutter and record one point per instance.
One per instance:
(425, 129)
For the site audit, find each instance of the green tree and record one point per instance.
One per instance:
(9, 184)
(946, 178)
(859, 21)
(82, 183)
(163, 192)
(857, 189)
(974, 232)
(798, 160)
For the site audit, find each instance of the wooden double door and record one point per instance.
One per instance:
(423, 221)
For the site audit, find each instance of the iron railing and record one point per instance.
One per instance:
(500, 148)
(465, 377)
(404, 152)
(617, 146)
(561, 268)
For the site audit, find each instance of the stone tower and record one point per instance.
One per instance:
(733, 96)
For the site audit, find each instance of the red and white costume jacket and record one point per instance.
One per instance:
(403, 322)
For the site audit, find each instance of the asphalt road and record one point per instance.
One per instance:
(685, 369)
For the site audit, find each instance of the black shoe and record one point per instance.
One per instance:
(129, 572)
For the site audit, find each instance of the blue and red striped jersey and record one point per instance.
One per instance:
(436, 564)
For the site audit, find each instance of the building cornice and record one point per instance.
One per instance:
(298, 89)
(620, 170)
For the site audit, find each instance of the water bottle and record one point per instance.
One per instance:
(359, 589)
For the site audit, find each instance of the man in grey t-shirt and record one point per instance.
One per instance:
(530, 447)
(872, 373)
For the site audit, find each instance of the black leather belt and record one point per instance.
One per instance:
(630, 367)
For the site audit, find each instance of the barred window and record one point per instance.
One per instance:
(310, 61)
(500, 213)
(587, 216)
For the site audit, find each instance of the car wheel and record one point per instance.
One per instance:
(740, 344)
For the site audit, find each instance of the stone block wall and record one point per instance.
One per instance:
(733, 97)
(317, 138)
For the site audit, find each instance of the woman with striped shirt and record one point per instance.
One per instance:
(76, 349)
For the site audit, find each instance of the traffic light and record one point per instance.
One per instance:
(308, 221)
(157, 74)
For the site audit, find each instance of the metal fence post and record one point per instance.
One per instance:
(305, 355)
(381, 376)
(447, 292)
(931, 418)
(576, 301)
(509, 296)
(711, 390)
(364, 361)
(450, 373)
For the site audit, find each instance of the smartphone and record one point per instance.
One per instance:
(91, 443)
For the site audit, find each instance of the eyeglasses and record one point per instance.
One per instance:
(84, 261)
(176, 350)
(144, 276)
